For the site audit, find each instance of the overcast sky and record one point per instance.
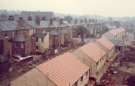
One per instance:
(85, 7)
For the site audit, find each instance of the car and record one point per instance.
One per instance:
(19, 58)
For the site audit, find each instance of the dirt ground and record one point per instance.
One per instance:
(17, 69)
(121, 69)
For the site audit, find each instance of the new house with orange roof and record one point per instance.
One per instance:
(117, 36)
(93, 56)
(63, 70)
(107, 46)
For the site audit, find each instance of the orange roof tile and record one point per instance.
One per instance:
(105, 43)
(32, 78)
(63, 70)
(93, 51)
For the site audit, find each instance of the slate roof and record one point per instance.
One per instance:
(13, 25)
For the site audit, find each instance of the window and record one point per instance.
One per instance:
(43, 18)
(87, 73)
(90, 71)
(75, 84)
(97, 63)
(37, 47)
(1, 47)
(42, 39)
(6, 34)
(13, 34)
(97, 72)
(36, 39)
(22, 45)
(37, 20)
(82, 78)
(29, 18)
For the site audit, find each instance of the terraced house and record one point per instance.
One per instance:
(17, 37)
(94, 57)
(117, 36)
(108, 47)
(63, 70)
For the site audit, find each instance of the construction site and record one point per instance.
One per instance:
(121, 72)
(44, 49)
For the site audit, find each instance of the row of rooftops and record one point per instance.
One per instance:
(66, 69)
(117, 36)
(45, 19)
(116, 31)
(105, 42)
(15, 25)
(32, 19)
(63, 70)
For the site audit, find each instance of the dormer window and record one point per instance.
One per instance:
(11, 18)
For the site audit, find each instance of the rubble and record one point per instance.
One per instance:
(121, 71)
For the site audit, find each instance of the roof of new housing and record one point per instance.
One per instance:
(32, 78)
(93, 51)
(117, 31)
(105, 43)
(63, 70)
(84, 58)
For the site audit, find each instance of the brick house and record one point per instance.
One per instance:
(117, 36)
(17, 39)
(56, 72)
(108, 47)
(94, 57)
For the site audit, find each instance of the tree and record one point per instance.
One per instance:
(82, 31)
(117, 24)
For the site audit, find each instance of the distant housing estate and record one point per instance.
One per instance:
(29, 32)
